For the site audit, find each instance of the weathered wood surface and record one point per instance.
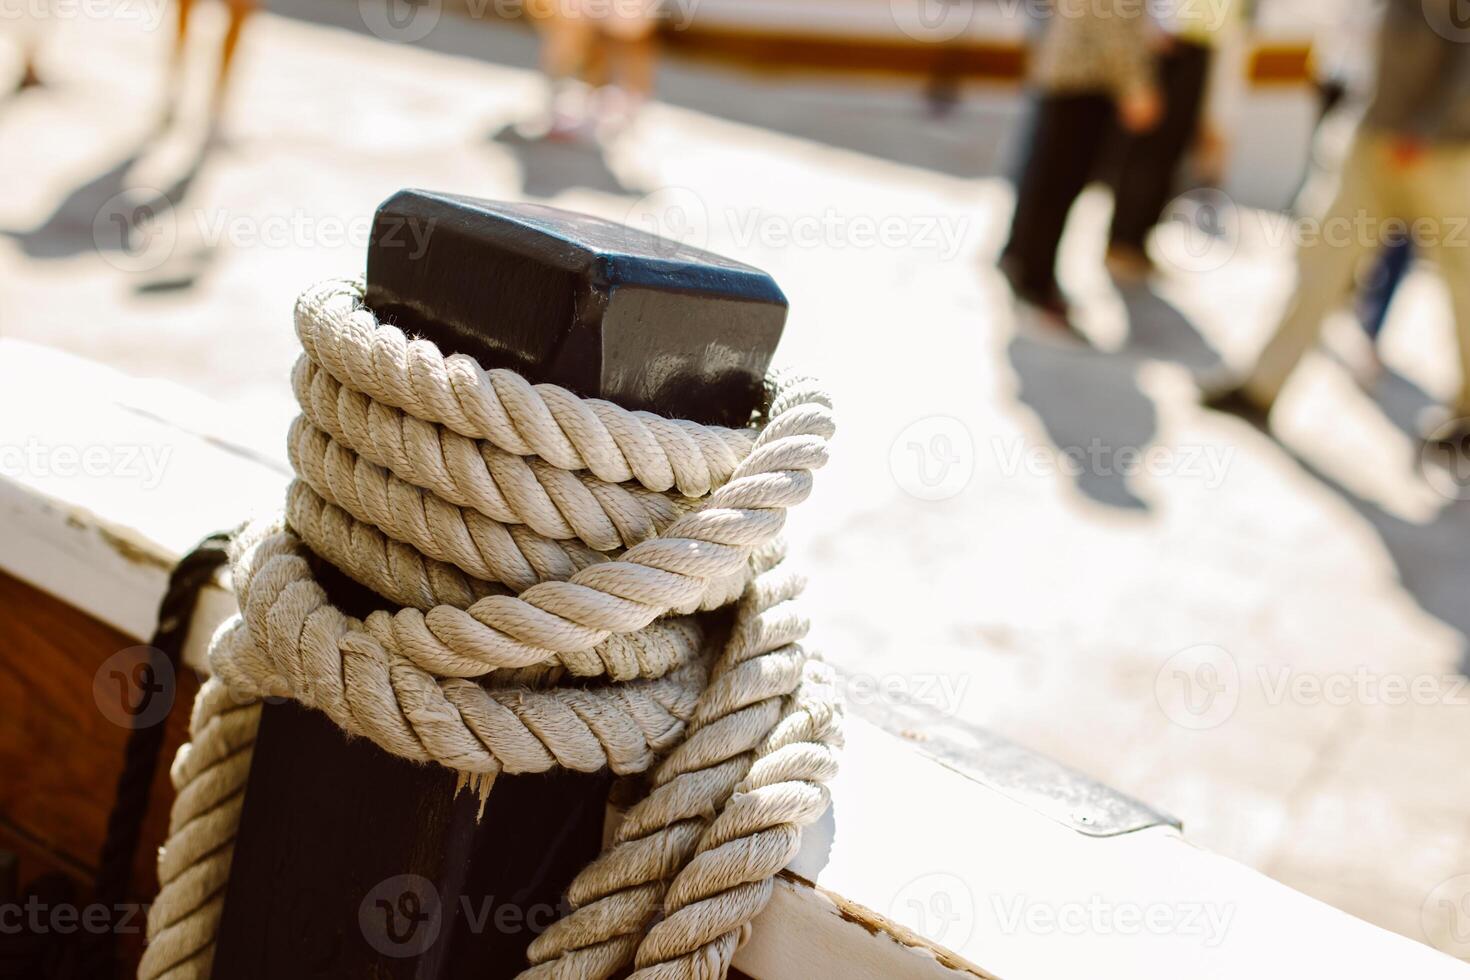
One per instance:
(67, 686)
(917, 870)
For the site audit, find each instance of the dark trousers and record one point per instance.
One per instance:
(1147, 163)
(1066, 136)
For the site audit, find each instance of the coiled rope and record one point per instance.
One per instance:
(551, 556)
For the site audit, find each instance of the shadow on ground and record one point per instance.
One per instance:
(129, 225)
(552, 166)
(1432, 559)
(1089, 401)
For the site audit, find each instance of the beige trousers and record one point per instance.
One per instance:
(1430, 197)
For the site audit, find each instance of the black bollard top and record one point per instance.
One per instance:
(597, 307)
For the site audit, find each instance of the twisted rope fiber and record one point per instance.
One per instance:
(551, 557)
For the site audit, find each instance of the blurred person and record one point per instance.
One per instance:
(1090, 65)
(1201, 75)
(239, 11)
(1409, 164)
(1341, 62)
(606, 46)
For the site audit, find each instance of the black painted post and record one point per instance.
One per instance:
(351, 862)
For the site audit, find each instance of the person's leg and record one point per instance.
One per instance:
(1065, 137)
(173, 92)
(1326, 263)
(1150, 161)
(1442, 193)
(240, 11)
(1377, 293)
(567, 49)
(28, 39)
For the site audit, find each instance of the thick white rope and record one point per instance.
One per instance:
(528, 535)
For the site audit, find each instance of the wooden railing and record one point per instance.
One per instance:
(918, 870)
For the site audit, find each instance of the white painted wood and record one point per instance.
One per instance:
(917, 872)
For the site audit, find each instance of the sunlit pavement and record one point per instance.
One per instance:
(1262, 637)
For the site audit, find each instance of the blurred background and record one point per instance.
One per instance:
(1037, 526)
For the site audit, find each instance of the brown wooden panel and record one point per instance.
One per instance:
(999, 60)
(61, 743)
(1280, 64)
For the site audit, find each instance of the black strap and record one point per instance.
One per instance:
(145, 743)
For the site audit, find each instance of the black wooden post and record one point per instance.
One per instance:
(351, 862)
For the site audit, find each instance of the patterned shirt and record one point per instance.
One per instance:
(1092, 46)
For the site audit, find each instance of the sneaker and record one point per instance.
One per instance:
(1233, 400)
